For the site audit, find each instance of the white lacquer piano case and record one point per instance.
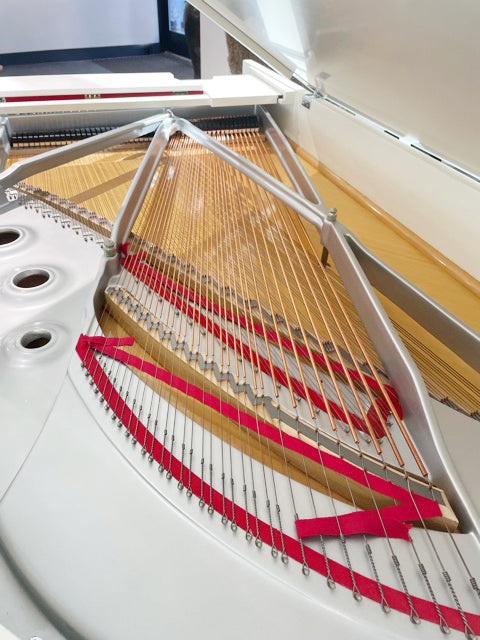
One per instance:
(101, 535)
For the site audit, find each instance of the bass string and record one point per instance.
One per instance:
(181, 252)
(221, 209)
(181, 195)
(207, 277)
(207, 271)
(347, 344)
(292, 270)
(437, 554)
(282, 210)
(355, 590)
(229, 205)
(253, 224)
(228, 259)
(151, 204)
(282, 215)
(268, 162)
(152, 228)
(239, 257)
(383, 602)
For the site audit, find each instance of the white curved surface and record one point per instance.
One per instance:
(58, 306)
(110, 546)
(118, 559)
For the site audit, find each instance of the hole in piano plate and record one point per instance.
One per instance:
(8, 236)
(31, 278)
(35, 339)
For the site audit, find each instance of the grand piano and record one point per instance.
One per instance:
(238, 336)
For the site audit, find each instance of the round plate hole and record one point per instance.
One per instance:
(31, 278)
(35, 339)
(7, 237)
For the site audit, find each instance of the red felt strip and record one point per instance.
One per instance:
(99, 341)
(403, 511)
(134, 263)
(80, 96)
(387, 521)
(316, 561)
(363, 522)
(103, 96)
(358, 522)
(250, 354)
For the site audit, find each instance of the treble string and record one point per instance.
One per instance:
(384, 603)
(141, 274)
(227, 269)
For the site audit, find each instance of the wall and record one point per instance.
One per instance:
(42, 25)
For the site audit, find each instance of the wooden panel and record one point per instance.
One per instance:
(422, 265)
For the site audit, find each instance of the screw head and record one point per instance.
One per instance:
(332, 214)
(109, 248)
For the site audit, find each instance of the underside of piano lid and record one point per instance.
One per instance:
(406, 72)
(411, 69)
(211, 426)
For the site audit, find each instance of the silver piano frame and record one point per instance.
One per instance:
(358, 268)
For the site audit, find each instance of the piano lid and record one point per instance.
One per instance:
(411, 66)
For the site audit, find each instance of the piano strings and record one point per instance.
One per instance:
(221, 288)
(69, 189)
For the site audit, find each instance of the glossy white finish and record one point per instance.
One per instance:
(88, 523)
(255, 87)
(239, 90)
(29, 25)
(109, 529)
(58, 306)
(92, 83)
(412, 66)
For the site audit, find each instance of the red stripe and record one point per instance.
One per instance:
(404, 510)
(266, 366)
(130, 263)
(42, 98)
(246, 521)
(103, 96)
(156, 281)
